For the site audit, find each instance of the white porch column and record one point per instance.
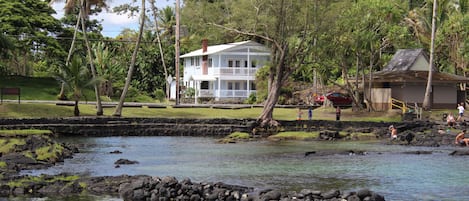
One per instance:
(248, 86)
(248, 89)
(196, 89)
(214, 90)
(219, 76)
(219, 88)
(249, 61)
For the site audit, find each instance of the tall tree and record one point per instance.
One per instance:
(5, 48)
(284, 26)
(85, 7)
(5, 45)
(426, 101)
(31, 28)
(118, 111)
(157, 32)
(166, 21)
(107, 67)
(359, 41)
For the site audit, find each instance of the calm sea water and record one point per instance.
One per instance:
(281, 165)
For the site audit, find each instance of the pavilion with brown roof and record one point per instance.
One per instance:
(405, 78)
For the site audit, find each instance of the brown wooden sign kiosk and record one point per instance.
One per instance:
(10, 92)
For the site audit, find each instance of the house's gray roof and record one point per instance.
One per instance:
(404, 59)
(399, 70)
(224, 47)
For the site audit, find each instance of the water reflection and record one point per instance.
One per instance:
(282, 165)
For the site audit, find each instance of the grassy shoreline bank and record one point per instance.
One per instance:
(38, 110)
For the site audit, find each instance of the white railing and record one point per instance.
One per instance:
(225, 93)
(206, 93)
(234, 71)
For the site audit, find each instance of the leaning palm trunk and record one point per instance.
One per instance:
(70, 51)
(155, 14)
(426, 100)
(119, 106)
(99, 108)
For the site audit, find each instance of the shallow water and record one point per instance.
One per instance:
(282, 165)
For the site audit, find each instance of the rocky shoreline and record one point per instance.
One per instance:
(145, 187)
(219, 127)
(130, 188)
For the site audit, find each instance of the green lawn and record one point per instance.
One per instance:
(31, 110)
(47, 88)
(32, 88)
(5, 133)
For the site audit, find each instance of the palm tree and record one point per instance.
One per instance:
(426, 101)
(106, 67)
(155, 15)
(118, 111)
(70, 5)
(426, 30)
(75, 76)
(85, 7)
(167, 20)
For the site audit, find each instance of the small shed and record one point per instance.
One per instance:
(404, 79)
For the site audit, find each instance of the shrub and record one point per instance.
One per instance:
(190, 92)
(251, 99)
(159, 95)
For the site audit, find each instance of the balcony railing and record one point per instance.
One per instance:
(225, 93)
(234, 71)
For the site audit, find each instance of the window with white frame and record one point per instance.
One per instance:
(204, 85)
(237, 63)
(197, 61)
(210, 62)
(253, 85)
(237, 86)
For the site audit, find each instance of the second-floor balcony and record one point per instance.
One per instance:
(225, 93)
(234, 71)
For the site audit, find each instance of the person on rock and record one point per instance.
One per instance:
(393, 131)
(450, 121)
(461, 140)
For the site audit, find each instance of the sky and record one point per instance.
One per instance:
(112, 23)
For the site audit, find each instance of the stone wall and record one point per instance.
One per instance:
(109, 126)
(114, 126)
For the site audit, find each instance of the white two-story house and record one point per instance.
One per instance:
(224, 72)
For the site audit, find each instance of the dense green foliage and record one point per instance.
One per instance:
(337, 39)
(27, 27)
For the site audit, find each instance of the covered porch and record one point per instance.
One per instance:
(207, 86)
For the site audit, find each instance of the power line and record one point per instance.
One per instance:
(80, 39)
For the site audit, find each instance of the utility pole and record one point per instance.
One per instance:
(426, 101)
(177, 52)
